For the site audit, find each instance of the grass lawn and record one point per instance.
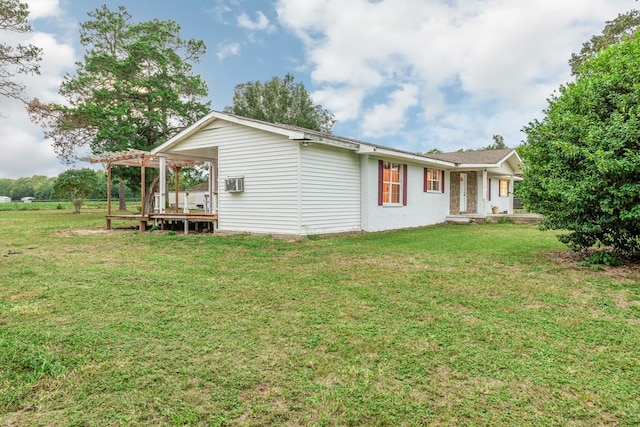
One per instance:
(444, 325)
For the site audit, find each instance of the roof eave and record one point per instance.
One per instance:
(337, 142)
(215, 115)
(185, 133)
(390, 153)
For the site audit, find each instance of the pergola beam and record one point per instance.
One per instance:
(133, 157)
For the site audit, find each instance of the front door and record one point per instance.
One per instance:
(463, 192)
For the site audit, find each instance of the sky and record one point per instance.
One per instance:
(409, 74)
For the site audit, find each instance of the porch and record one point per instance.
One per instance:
(515, 218)
(158, 214)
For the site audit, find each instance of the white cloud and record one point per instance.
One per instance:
(501, 57)
(218, 11)
(228, 49)
(43, 8)
(385, 119)
(261, 23)
(24, 150)
(345, 101)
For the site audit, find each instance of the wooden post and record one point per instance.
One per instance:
(163, 183)
(143, 196)
(109, 188)
(176, 171)
(108, 196)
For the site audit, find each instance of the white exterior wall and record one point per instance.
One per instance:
(270, 167)
(269, 164)
(423, 208)
(330, 190)
(503, 203)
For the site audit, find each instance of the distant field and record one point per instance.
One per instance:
(444, 325)
(61, 205)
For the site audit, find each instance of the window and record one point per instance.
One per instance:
(503, 190)
(392, 188)
(433, 180)
(391, 183)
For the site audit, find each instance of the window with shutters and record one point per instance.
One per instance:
(391, 183)
(433, 180)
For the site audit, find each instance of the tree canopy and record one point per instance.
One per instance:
(583, 159)
(498, 143)
(20, 58)
(624, 25)
(135, 88)
(280, 101)
(75, 185)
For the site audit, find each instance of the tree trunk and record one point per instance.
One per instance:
(151, 194)
(121, 196)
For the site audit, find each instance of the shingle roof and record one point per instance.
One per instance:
(313, 133)
(482, 157)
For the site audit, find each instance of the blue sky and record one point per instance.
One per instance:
(411, 74)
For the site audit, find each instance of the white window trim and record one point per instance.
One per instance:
(500, 181)
(437, 181)
(400, 181)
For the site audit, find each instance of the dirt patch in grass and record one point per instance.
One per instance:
(23, 295)
(628, 271)
(91, 232)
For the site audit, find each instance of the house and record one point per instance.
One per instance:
(494, 194)
(281, 179)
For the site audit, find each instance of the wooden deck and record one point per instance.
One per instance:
(167, 220)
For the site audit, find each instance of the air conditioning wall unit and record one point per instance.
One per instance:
(234, 185)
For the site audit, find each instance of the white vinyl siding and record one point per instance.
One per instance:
(269, 164)
(330, 190)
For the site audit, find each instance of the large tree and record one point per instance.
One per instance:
(280, 101)
(583, 157)
(134, 89)
(19, 58)
(498, 143)
(623, 25)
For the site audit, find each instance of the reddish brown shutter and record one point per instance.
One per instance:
(489, 192)
(442, 172)
(424, 184)
(380, 181)
(404, 184)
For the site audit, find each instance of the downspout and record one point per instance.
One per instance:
(485, 194)
(364, 192)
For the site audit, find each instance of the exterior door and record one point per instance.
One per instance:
(463, 192)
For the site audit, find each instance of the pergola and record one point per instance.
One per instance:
(142, 159)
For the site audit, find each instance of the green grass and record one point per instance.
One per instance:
(63, 205)
(444, 325)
